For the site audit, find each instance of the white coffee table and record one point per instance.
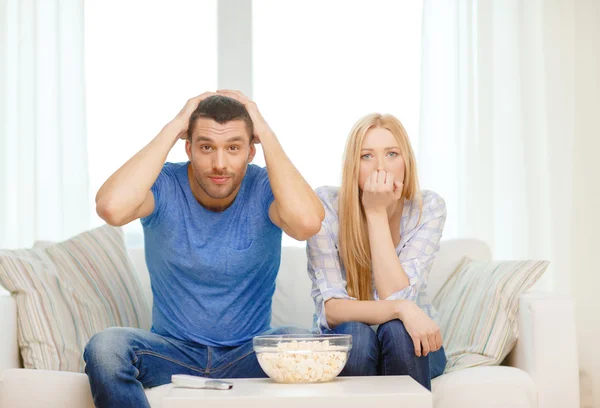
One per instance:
(347, 392)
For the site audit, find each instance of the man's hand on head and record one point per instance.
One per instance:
(183, 117)
(260, 125)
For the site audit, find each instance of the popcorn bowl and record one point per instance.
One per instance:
(302, 358)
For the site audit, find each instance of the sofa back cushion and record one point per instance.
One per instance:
(449, 257)
(68, 291)
(479, 307)
(292, 304)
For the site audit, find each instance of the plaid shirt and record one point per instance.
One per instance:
(418, 246)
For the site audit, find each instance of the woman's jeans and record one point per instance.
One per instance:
(121, 362)
(389, 351)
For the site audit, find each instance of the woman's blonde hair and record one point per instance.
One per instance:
(355, 252)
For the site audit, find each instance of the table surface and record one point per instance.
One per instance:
(347, 392)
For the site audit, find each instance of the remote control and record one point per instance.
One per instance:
(192, 381)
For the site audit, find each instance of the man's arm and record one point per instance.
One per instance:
(126, 195)
(296, 209)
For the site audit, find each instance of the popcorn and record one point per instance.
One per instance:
(303, 361)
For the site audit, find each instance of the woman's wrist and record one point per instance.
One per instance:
(376, 215)
(399, 307)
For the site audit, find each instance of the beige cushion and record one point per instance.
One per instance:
(294, 285)
(451, 254)
(489, 387)
(67, 292)
(478, 310)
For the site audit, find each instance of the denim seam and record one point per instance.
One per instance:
(135, 360)
(379, 334)
(151, 353)
(208, 360)
(232, 362)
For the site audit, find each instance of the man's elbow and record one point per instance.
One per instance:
(108, 211)
(306, 227)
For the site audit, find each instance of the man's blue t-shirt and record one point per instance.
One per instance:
(212, 273)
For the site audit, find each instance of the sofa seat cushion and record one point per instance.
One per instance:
(487, 387)
(56, 389)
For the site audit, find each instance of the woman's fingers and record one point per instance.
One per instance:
(389, 181)
(425, 345)
(433, 344)
(374, 178)
(439, 340)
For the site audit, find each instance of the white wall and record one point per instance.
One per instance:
(586, 191)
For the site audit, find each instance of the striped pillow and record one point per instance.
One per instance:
(478, 310)
(67, 292)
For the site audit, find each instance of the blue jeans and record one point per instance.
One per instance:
(121, 362)
(389, 351)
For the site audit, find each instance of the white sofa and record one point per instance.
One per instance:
(541, 372)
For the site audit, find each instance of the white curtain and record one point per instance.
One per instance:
(497, 125)
(43, 164)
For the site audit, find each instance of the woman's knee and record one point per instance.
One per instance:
(364, 355)
(362, 334)
(393, 334)
(398, 356)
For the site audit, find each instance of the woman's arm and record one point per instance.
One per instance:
(423, 331)
(379, 193)
(401, 277)
(371, 312)
(389, 275)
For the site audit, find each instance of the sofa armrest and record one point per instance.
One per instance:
(547, 348)
(9, 350)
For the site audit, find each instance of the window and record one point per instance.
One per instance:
(319, 66)
(144, 60)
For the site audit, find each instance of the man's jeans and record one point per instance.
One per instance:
(389, 351)
(121, 362)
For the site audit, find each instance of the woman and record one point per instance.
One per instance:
(370, 262)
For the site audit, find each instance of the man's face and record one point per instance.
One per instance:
(219, 154)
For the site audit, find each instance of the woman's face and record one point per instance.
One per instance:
(380, 151)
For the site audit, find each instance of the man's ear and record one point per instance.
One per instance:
(252, 152)
(188, 148)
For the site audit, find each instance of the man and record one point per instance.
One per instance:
(212, 231)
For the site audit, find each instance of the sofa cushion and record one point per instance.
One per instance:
(67, 292)
(293, 305)
(490, 387)
(450, 255)
(478, 310)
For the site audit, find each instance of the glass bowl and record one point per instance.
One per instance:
(302, 358)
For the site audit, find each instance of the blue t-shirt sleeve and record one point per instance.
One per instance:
(264, 189)
(163, 191)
